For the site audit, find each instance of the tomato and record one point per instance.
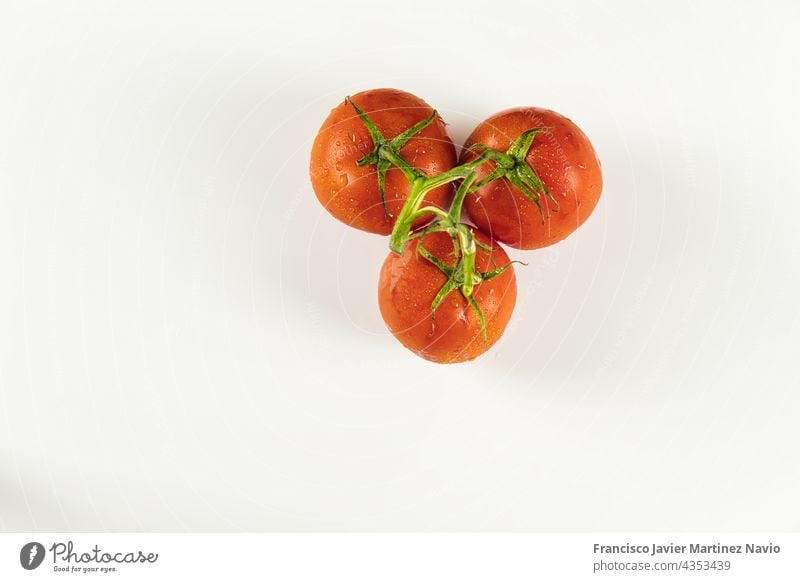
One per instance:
(409, 283)
(563, 158)
(349, 192)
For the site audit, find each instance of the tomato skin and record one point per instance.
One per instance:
(564, 159)
(350, 193)
(409, 283)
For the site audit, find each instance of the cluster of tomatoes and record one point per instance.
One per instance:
(384, 162)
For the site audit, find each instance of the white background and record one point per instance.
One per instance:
(189, 342)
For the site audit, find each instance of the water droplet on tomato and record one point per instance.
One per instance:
(334, 192)
(582, 166)
(343, 179)
(338, 166)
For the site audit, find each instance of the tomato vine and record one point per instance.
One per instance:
(511, 164)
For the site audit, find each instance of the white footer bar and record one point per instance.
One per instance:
(401, 557)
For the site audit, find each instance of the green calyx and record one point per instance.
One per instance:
(463, 275)
(386, 153)
(511, 164)
(514, 167)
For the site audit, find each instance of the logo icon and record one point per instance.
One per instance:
(31, 555)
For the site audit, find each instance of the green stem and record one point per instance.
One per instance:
(402, 227)
(438, 212)
(450, 175)
(461, 193)
(421, 185)
(486, 153)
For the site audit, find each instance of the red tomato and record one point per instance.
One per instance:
(351, 193)
(452, 333)
(563, 158)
